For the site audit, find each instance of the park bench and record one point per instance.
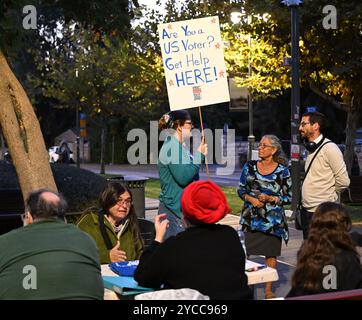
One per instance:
(353, 194)
(337, 295)
(11, 208)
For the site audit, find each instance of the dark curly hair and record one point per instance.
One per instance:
(328, 234)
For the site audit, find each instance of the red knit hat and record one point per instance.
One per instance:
(204, 202)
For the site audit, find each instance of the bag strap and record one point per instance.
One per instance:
(310, 164)
(104, 233)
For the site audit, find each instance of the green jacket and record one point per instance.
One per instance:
(89, 223)
(177, 169)
(49, 259)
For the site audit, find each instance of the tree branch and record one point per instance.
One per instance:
(335, 103)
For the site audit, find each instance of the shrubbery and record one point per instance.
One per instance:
(80, 187)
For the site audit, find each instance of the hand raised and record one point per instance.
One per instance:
(161, 227)
(117, 255)
(203, 147)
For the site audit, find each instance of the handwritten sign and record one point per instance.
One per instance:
(193, 59)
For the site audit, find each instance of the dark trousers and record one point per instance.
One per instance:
(306, 218)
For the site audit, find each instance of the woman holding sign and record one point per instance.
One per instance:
(177, 166)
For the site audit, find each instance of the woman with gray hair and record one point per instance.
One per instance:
(265, 187)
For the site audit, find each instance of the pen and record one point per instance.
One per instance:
(256, 268)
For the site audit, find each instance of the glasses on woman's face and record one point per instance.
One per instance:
(121, 203)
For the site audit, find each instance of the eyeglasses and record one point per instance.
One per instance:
(263, 146)
(121, 203)
(189, 122)
(303, 124)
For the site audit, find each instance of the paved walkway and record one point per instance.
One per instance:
(230, 178)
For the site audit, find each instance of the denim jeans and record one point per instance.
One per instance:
(175, 225)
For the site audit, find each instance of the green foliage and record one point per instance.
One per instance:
(100, 15)
(267, 74)
(330, 59)
(79, 187)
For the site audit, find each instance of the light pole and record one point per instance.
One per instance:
(77, 127)
(295, 102)
(236, 17)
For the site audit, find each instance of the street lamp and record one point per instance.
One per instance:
(77, 128)
(236, 17)
(295, 102)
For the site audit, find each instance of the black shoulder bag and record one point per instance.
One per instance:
(298, 213)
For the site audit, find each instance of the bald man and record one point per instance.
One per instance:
(47, 258)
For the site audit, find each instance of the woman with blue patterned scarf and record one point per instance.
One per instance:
(265, 187)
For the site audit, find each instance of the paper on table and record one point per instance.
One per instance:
(253, 266)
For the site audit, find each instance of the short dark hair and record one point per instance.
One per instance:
(317, 117)
(173, 119)
(41, 208)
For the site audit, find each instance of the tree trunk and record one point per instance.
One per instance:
(2, 150)
(351, 127)
(103, 146)
(22, 133)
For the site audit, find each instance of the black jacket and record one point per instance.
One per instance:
(207, 258)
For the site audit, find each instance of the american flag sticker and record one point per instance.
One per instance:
(197, 93)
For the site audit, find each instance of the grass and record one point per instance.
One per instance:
(355, 212)
(152, 190)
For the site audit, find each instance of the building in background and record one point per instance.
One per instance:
(70, 136)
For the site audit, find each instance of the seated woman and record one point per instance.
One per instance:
(114, 226)
(207, 257)
(328, 260)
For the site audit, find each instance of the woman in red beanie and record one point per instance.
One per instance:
(206, 256)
